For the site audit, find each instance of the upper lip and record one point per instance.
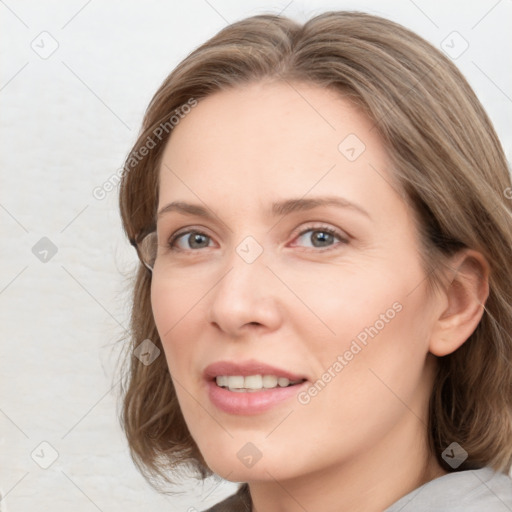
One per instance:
(246, 368)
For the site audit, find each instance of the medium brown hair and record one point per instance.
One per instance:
(451, 169)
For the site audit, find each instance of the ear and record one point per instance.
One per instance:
(461, 303)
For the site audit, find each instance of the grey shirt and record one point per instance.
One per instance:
(477, 490)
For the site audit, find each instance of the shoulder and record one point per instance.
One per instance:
(464, 491)
(238, 502)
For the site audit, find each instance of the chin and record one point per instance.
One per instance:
(258, 473)
(246, 464)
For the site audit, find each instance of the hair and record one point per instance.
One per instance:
(450, 167)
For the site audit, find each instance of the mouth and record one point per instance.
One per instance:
(254, 383)
(250, 387)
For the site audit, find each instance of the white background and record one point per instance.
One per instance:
(67, 122)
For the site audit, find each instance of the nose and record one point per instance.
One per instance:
(247, 297)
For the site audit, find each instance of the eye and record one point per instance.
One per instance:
(322, 236)
(194, 239)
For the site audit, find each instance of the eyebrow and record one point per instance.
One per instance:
(279, 208)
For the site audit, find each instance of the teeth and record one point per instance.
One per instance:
(222, 381)
(250, 383)
(270, 381)
(235, 382)
(253, 382)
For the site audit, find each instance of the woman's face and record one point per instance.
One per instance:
(275, 283)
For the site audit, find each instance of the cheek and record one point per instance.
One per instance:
(346, 302)
(380, 327)
(173, 311)
(383, 357)
(171, 305)
(366, 387)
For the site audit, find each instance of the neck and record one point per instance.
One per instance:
(369, 482)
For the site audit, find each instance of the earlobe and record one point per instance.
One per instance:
(463, 302)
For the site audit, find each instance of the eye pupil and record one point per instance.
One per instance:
(322, 237)
(196, 238)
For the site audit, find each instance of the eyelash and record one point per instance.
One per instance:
(324, 229)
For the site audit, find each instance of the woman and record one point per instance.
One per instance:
(324, 233)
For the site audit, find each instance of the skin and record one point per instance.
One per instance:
(361, 443)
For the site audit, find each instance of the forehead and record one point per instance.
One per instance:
(269, 140)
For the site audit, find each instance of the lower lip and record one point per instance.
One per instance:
(251, 402)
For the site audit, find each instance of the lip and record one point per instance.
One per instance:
(254, 402)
